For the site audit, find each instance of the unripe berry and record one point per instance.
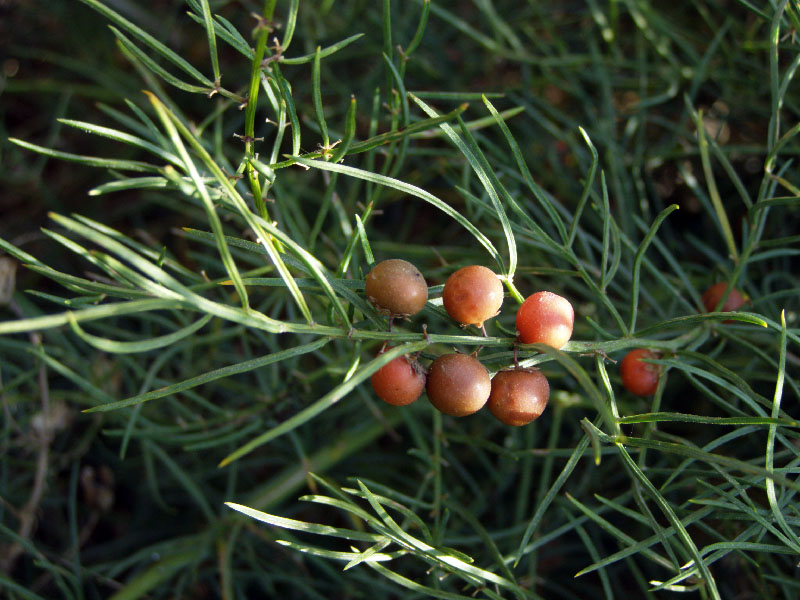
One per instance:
(639, 377)
(545, 318)
(458, 384)
(396, 287)
(518, 396)
(472, 295)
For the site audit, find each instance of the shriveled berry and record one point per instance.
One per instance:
(458, 384)
(399, 382)
(472, 295)
(397, 287)
(545, 318)
(639, 377)
(713, 295)
(518, 396)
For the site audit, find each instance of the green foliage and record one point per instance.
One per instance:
(184, 351)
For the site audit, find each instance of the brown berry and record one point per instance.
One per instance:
(518, 396)
(472, 295)
(399, 382)
(397, 287)
(545, 318)
(458, 384)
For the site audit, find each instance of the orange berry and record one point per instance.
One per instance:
(472, 295)
(399, 382)
(639, 377)
(545, 318)
(713, 295)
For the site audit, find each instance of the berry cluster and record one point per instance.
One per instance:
(458, 384)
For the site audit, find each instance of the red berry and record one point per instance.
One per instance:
(458, 384)
(713, 295)
(639, 377)
(397, 287)
(472, 295)
(545, 318)
(518, 396)
(399, 382)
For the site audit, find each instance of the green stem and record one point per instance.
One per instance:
(263, 31)
(713, 193)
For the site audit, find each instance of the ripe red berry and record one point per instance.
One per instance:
(545, 318)
(472, 295)
(639, 377)
(713, 295)
(458, 384)
(397, 287)
(518, 396)
(399, 382)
